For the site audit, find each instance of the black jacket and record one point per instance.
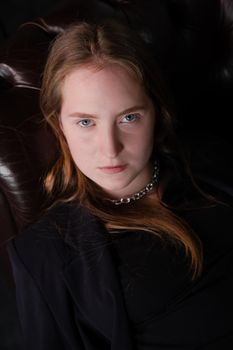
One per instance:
(68, 290)
(68, 298)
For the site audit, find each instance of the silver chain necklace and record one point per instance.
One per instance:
(143, 192)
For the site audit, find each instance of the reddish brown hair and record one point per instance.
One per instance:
(101, 45)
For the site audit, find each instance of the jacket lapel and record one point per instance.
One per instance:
(92, 279)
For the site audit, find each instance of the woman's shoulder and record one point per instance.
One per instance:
(61, 233)
(45, 237)
(48, 222)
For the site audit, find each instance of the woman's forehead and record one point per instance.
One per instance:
(112, 86)
(91, 69)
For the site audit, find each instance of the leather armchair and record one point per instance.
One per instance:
(193, 42)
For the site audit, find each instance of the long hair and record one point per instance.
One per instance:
(101, 45)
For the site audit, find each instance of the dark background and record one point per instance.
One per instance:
(15, 12)
(12, 14)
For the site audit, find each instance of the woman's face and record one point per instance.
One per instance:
(108, 122)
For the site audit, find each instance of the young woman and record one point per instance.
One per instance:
(133, 254)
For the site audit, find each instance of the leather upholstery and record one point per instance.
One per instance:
(191, 39)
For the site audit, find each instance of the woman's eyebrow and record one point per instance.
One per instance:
(131, 109)
(81, 115)
(86, 115)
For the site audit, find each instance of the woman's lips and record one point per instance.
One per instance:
(113, 169)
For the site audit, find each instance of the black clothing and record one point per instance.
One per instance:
(78, 289)
(165, 308)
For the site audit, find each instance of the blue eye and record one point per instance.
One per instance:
(85, 123)
(129, 118)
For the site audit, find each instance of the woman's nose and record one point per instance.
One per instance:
(110, 143)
